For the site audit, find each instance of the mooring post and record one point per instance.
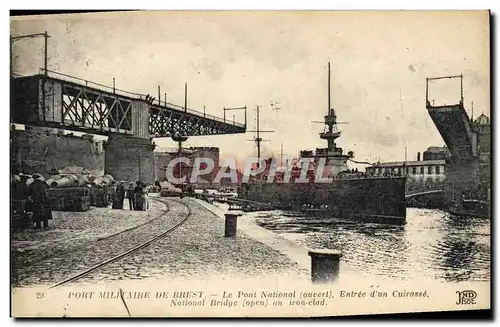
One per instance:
(325, 265)
(231, 224)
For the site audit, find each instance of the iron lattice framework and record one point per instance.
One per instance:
(67, 102)
(168, 121)
(95, 109)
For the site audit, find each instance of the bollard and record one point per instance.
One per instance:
(231, 224)
(325, 265)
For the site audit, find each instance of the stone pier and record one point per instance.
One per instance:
(130, 158)
(462, 177)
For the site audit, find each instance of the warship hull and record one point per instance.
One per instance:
(371, 200)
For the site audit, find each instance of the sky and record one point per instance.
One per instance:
(379, 63)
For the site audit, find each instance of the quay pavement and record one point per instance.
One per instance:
(195, 250)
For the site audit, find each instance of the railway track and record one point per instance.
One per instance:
(129, 251)
(35, 263)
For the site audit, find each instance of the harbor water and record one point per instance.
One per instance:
(432, 245)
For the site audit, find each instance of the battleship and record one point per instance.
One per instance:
(349, 194)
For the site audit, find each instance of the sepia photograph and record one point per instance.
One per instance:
(249, 163)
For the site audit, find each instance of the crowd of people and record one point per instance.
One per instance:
(137, 196)
(31, 197)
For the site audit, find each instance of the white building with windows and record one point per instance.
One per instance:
(421, 174)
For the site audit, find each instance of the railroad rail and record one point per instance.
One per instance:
(129, 251)
(114, 245)
(35, 263)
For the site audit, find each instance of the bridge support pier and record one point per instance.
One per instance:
(179, 139)
(129, 158)
(461, 179)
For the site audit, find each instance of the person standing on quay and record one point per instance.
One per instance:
(145, 198)
(119, 196)
(130, 196)
(138, 197)
(20, 194)
(41, 205)
(112, 193)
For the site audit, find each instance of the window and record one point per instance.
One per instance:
(98, 147)
(429, 170)
(414, 170)
(438, 170)
(422, 170)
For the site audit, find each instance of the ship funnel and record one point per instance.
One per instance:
(418, 156)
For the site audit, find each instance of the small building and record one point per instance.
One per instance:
(434, 169)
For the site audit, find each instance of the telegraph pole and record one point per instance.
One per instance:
(13, 39)
(231, 109)
(185, 96)
(46, 36)
(159, 96)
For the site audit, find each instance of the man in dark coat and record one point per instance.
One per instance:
(19, 193)
(130, 196)
(138, 197)
(41, 204)
(119, 196)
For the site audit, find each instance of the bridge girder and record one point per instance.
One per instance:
(455, 128)
(90, 108)
(166, 122)
(93, 108)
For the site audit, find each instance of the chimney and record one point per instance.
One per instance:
(418, 156)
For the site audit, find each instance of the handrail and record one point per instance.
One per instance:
(95, 85)
(160, 104)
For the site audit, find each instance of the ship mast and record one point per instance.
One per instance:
(281, 155)
(329, 92)
(332, 132)
(259, 139)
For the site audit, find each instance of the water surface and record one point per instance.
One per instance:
(432, 244)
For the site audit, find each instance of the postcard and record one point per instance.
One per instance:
(250, 163)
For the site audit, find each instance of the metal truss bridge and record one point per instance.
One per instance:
(52, 99)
